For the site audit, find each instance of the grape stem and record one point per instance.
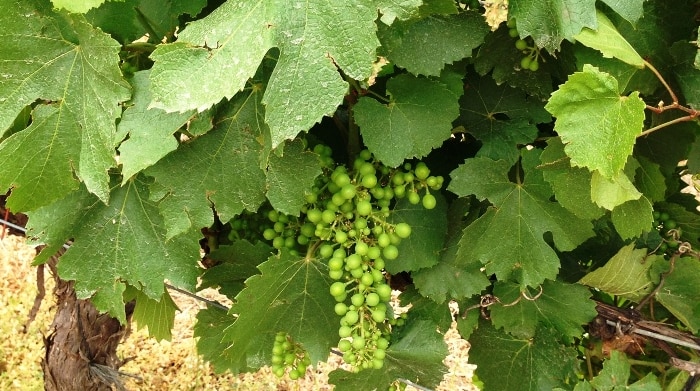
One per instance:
(692, 113)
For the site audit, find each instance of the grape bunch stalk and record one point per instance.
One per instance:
(346, 223)
(532, 58)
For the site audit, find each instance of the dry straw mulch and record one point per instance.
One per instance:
(165, 365)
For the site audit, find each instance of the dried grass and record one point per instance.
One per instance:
(165, 365)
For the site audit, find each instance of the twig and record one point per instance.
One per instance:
(41, 293)
(658, 336)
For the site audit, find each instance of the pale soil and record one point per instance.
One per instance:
(163, 365)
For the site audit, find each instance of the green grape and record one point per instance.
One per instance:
(358, 342)
(422, 171)
(382, 343)
(383, 240)
(372, 299)
(363, 208)
(357, 299)
(353, 261)
(336, 274)
(402, 230)
(351, 317)
(398, 179)
(378, 316)
(314, 215)
(278, 242)
(341, 237)
(390, 252)
(379, 263)
(337, 289)
(348, 191)
(337, 199)
(534, 66)
(521, 44)
(326, 251)
(269, 234)
(361, 248)
(511, 23)
(369, 181)
(377, 275)
(384, 292)
(328, 216)
(400, 191)
(341, 179)
(413, 197)
(513, 33)
(374, 252)
(340, 309)
(429, 201)
(656, 215)
(525, 62)
(336, 264)
(289, 242)
(377, 363)
(344, 331)
(278, 371)
(670, 224)
(664, 216)
(344, 345)
(294, 374)
(366, 169)
(367, 280)
(365, 154)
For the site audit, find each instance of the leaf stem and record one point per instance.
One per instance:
(665, 124)
(662, 80)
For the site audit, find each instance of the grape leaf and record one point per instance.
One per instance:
(500, 116)
(289, 176)
(150, 130)
(630, 10)
(428, 230)
(452, 277)
(499, 56)
(124, 242)
(424, 46)
(681, 292)
(688, 221)
(616, 373)
(552, 21)
(509, 363)
(633, 218)
(510, 237)
(571, 185)
(611, 192)
(78, 6)
(597, 125)
(157, 315)
(235, 264)
(622, 72)
(290, 295)
(417, 119)
(220, 167)
(609, 41)
(561, 306)
(425, 309)
(417, 356)
(626, 274)
(650, 180)
(59, 58)
(686, 74)
(129, 20)
(315, 40)
(211, 324)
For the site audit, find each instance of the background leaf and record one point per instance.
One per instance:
(681, 293)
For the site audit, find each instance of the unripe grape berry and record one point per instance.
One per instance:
(511, 23)
(358, 342)
(384, 292)
(429, 201)
(390, 252)
(369, 181)
(422, 171)
(534, 66)
(372, 299)
(269, 234)
(363, 208)
(351, 317)
(357, 299)
(525, 62)
(344, 345)
(513, 33)
(337, 289)
(413, 197)
(403, 230)
(344, 331)
(521, 44)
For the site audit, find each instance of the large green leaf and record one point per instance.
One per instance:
(424, 46)
(235, 263)
(129, 20)
(72, 70)
(118, 244)
(315, 39)
(150, 131)
(428, 230)
(156, 315)
(417, 356)
(681, 292)
(626, 274)
(630, 10)
(219, 168)
(417, 119)
(552, 21)
(616, 373)
(510, 363)
(571, 185)
(80, 6)
(290, 295)
(597, 125)
(510, 237)
(633, 218)
(289, 176)
(609, 41)
(500, 116)
(562, 307)
(611, 192)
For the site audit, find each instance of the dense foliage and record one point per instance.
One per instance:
(523, 160)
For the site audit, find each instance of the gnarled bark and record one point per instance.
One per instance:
(81, 349)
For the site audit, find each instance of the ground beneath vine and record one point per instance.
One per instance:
(166, 365)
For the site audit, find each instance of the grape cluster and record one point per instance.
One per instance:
(669, 231)
(532, 57)
(345, 222)
(288, 354)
